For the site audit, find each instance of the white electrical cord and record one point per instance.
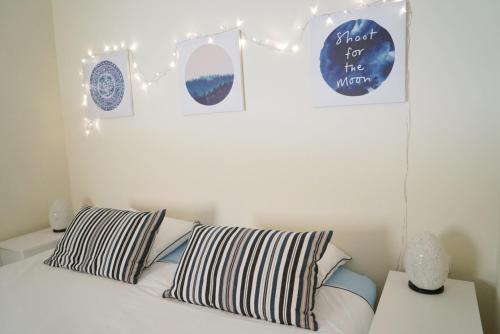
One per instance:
(404, 232)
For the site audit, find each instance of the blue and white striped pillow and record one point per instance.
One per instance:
(265, 274)
(109, 243)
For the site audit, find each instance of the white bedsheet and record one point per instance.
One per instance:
(36, 298)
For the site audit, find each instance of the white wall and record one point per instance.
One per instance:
(283, 164)
(33, 165)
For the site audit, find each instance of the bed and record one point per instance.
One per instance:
(36, 298)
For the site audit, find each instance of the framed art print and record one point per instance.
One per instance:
(359, 57)
(107, 77)
(211, 75)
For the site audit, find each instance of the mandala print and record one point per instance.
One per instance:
(107, 85)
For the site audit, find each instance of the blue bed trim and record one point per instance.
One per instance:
(175, 256)
(356, 283)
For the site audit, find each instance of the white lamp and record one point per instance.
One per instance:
(60, 215)
(427, 264)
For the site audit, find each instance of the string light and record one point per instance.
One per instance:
(239, 23)
(133, 47)
(329, 21)
(106, 48)
(243, 42)
(210, 40)
(314, 10)
(282, 46)
(115, 47)
(295, 48)
(90, 125)
(122, 45)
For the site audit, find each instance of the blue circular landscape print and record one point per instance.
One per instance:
(107, 85)
(209, 74)
(357, 57)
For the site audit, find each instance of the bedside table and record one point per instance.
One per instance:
(27, 245)
(401, 310)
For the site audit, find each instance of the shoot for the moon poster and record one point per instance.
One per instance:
(359, 57)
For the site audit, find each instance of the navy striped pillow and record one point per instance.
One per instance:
(265, 274)
(109, 243)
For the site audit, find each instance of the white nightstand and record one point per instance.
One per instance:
(27, 245)
(402, 310)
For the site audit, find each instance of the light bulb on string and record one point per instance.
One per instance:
(210, 40)
(133, 46)
(115, 47)
(329, 21)
(282, 46)
(314, 10)
(106, 48)
(295, 48)
(239, 22)
(122, 45)
(172, 64)
(243, 42)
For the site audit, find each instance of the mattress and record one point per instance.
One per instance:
(36, 298)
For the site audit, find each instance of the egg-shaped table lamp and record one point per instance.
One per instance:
(427, 264)
(60, 215)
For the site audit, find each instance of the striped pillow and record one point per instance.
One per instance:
(109, 243)
(265, 274)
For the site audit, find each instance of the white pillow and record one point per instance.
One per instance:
(171, 234)
(333, 259)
